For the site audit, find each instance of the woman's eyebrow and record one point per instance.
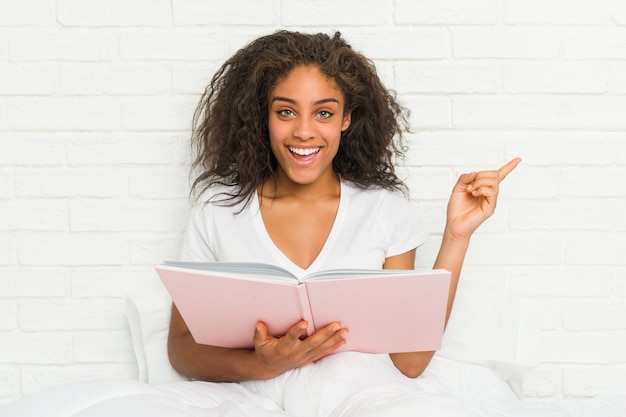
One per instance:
(292, 101)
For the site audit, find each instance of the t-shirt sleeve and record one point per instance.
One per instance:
(197, 244)
(408, 231)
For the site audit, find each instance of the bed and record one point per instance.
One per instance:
(493, 337)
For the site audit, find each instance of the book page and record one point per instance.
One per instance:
(249, 270)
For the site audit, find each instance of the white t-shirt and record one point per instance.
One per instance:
(370, 226)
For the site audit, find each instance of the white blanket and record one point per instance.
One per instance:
(342, 385)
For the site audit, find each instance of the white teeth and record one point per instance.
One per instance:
(304, 151)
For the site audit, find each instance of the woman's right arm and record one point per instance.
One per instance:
(269, 358)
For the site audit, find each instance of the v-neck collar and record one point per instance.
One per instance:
(282, 259)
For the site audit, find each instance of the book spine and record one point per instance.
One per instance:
(305, 308)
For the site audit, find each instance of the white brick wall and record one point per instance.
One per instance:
(96, 100)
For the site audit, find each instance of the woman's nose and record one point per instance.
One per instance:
(304, 129)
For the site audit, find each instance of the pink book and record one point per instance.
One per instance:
(385, 311)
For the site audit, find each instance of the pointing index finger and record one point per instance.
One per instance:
(506, 169)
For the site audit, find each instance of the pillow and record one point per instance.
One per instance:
(494, 327)
(148, 317)
(489, 325)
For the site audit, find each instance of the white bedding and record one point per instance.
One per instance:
(344, 385)
(492, 338)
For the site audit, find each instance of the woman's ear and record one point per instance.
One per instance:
(345, 124)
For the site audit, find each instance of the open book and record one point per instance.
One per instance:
(385, 311)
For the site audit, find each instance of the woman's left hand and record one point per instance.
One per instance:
(473, 200)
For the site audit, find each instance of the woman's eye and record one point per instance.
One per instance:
(324, 114)
(285, 113)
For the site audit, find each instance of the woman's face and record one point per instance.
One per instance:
(305, 124)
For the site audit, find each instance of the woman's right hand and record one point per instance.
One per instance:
(280, 354)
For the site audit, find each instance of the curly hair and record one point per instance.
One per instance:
(230, 138)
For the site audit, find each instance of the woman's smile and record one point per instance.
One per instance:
(304, 156)
(304, 151)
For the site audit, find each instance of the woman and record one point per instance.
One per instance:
(295, 141)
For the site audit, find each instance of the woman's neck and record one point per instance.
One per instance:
(281, 187)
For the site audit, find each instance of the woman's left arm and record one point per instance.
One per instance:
(473, 201)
